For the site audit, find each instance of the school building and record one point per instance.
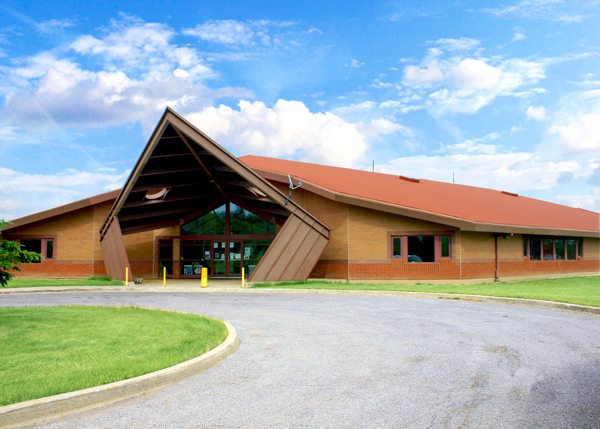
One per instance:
(189, 204)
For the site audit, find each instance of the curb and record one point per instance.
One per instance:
(53, 289)
(59, 405)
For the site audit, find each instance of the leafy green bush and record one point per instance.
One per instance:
(11, 256)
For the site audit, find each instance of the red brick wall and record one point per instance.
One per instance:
(396, 269)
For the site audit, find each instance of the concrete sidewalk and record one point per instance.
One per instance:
(148, 285)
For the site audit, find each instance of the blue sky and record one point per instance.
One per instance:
(498, 95)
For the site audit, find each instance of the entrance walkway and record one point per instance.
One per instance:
(191, 285)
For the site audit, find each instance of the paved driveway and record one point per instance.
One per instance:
(331, 361)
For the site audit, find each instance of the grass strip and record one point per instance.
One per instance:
(45, 351)
(573, 290)
(90, 281)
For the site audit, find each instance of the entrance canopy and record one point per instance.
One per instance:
(181, 175)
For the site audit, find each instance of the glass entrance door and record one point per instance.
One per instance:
(219, 258)
(235, 258)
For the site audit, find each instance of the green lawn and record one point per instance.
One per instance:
(45, 351)
(574, 290)
(91, 281)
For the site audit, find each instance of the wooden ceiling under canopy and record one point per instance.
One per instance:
(183, 174)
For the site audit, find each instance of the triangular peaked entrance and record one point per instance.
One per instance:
(183, 174)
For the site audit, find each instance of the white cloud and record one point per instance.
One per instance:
(356, 64)
(462, 44)
(239, 33)
(579, 129)
(465, 85)
(228, 32)
(475, 74)
(514, 171)
(537, 113)
(382, 126)
(589, 201)
(476, 146)
(427, 73)
(354, 108)
(54, 24)
(290, 130)
(580, 135)
(131, 45)
(142, 72)
(546, 10)
(518, 36)
(24, 193)
(8, 133)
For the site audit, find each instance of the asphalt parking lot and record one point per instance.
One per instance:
(331, 361)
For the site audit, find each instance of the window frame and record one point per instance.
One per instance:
(544, 257)
(44, 239)
(437, 244)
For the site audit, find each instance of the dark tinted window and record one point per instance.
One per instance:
(397, 252)
(571, 249)
(535, 246)
(445, 247)
(33, 246)
(559, 247)
(548, 249)
(421, 249)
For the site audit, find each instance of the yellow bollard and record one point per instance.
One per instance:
(126, 275)
(242, 276)
(164, 276)
(204, 278)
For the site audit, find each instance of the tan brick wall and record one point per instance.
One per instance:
(167, 232)
(591, 248)
(334, 215)
(510, 247)
(75, 240)
(477, 245)
(299, 195)
(369, 231)
(140, 246)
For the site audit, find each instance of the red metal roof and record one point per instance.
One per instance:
(456, 202)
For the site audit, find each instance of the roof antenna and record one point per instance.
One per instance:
(292, 187)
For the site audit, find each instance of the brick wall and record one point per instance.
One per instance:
(77, 249)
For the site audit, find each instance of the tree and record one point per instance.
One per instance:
(11, 255)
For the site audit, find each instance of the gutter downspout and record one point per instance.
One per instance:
(497, 272)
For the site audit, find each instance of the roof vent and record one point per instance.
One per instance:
(409, 179)
(155, 194)
(512, 194)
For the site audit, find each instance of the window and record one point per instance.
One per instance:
(43, 246)
(49, 249)
(229, 219)
(553, 249)
(420, 248)
(559, 249)
(445, 247)
(571, 249)
(536, 249)
(397, 247)
(165, 255)
(548, 249)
